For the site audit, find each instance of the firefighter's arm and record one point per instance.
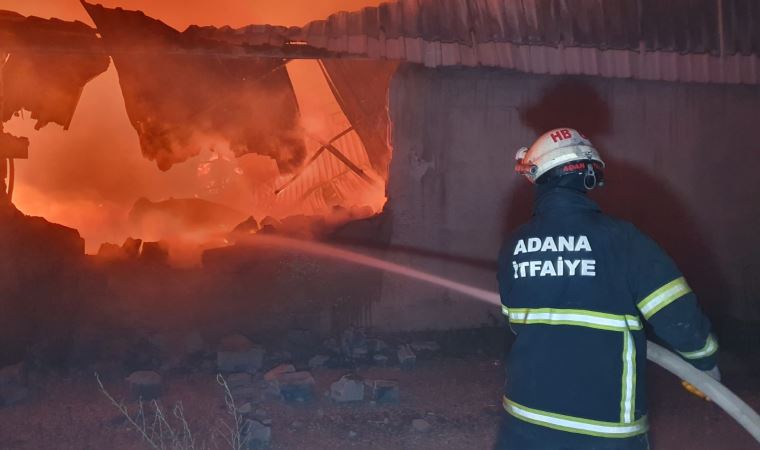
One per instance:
(665, 300)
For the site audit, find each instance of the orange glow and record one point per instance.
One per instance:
(90, 176)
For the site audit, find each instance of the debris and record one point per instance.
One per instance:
(237, 353)
(131, 248)
(376, 345)
(154, 252)
(318, 361)
(296, 386)
(279, 370)
(352, 434)
(145, 384)
(255, 434)
(406, 357)
(347, 389)
(421, 425)
(426, 347)
(384, 391)
(245, 408)
(380, 360)
(353, 343)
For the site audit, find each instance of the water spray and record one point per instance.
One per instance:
(717, 392)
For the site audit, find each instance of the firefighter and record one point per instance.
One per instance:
(576, 286)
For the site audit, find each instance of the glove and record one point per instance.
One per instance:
(713, 373)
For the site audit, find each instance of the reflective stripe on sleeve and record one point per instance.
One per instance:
(505, 310)
(628, 397)
(663, 296)
(577, 317)
(575, 424)
(711, 346)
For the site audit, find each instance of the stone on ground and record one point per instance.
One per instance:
(298, 386)
(255, 434)
(237, 353)
(347, 389)
(384, 391)
(279, 370)
(421, 425)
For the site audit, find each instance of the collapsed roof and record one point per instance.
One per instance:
(49, 80)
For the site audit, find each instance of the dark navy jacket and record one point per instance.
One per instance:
(577, 286)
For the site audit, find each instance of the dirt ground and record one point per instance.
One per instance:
(459, 397)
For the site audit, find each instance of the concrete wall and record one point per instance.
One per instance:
(683, 165)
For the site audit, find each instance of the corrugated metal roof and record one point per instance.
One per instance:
(675, 40)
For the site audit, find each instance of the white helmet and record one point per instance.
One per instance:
(561, 151)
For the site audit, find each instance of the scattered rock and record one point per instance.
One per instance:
(297, 424)
(279, 370)
(255, 434)
(421, 425)
(352, 434)
(406, 357)
(384, 391)
(245, 408)
(347, 389)
(237, 353)
(298, 386)
(318, 361)
(145, 384)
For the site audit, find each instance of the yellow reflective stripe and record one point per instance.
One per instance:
(575, 317)
(663, 296)
(710, 347)
(575, 424)
(628, 397)
(505, 310)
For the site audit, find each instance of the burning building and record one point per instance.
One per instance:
(451, 88)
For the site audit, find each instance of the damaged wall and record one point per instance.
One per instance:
(681, 167)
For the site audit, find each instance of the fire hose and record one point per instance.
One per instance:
(718, 393)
